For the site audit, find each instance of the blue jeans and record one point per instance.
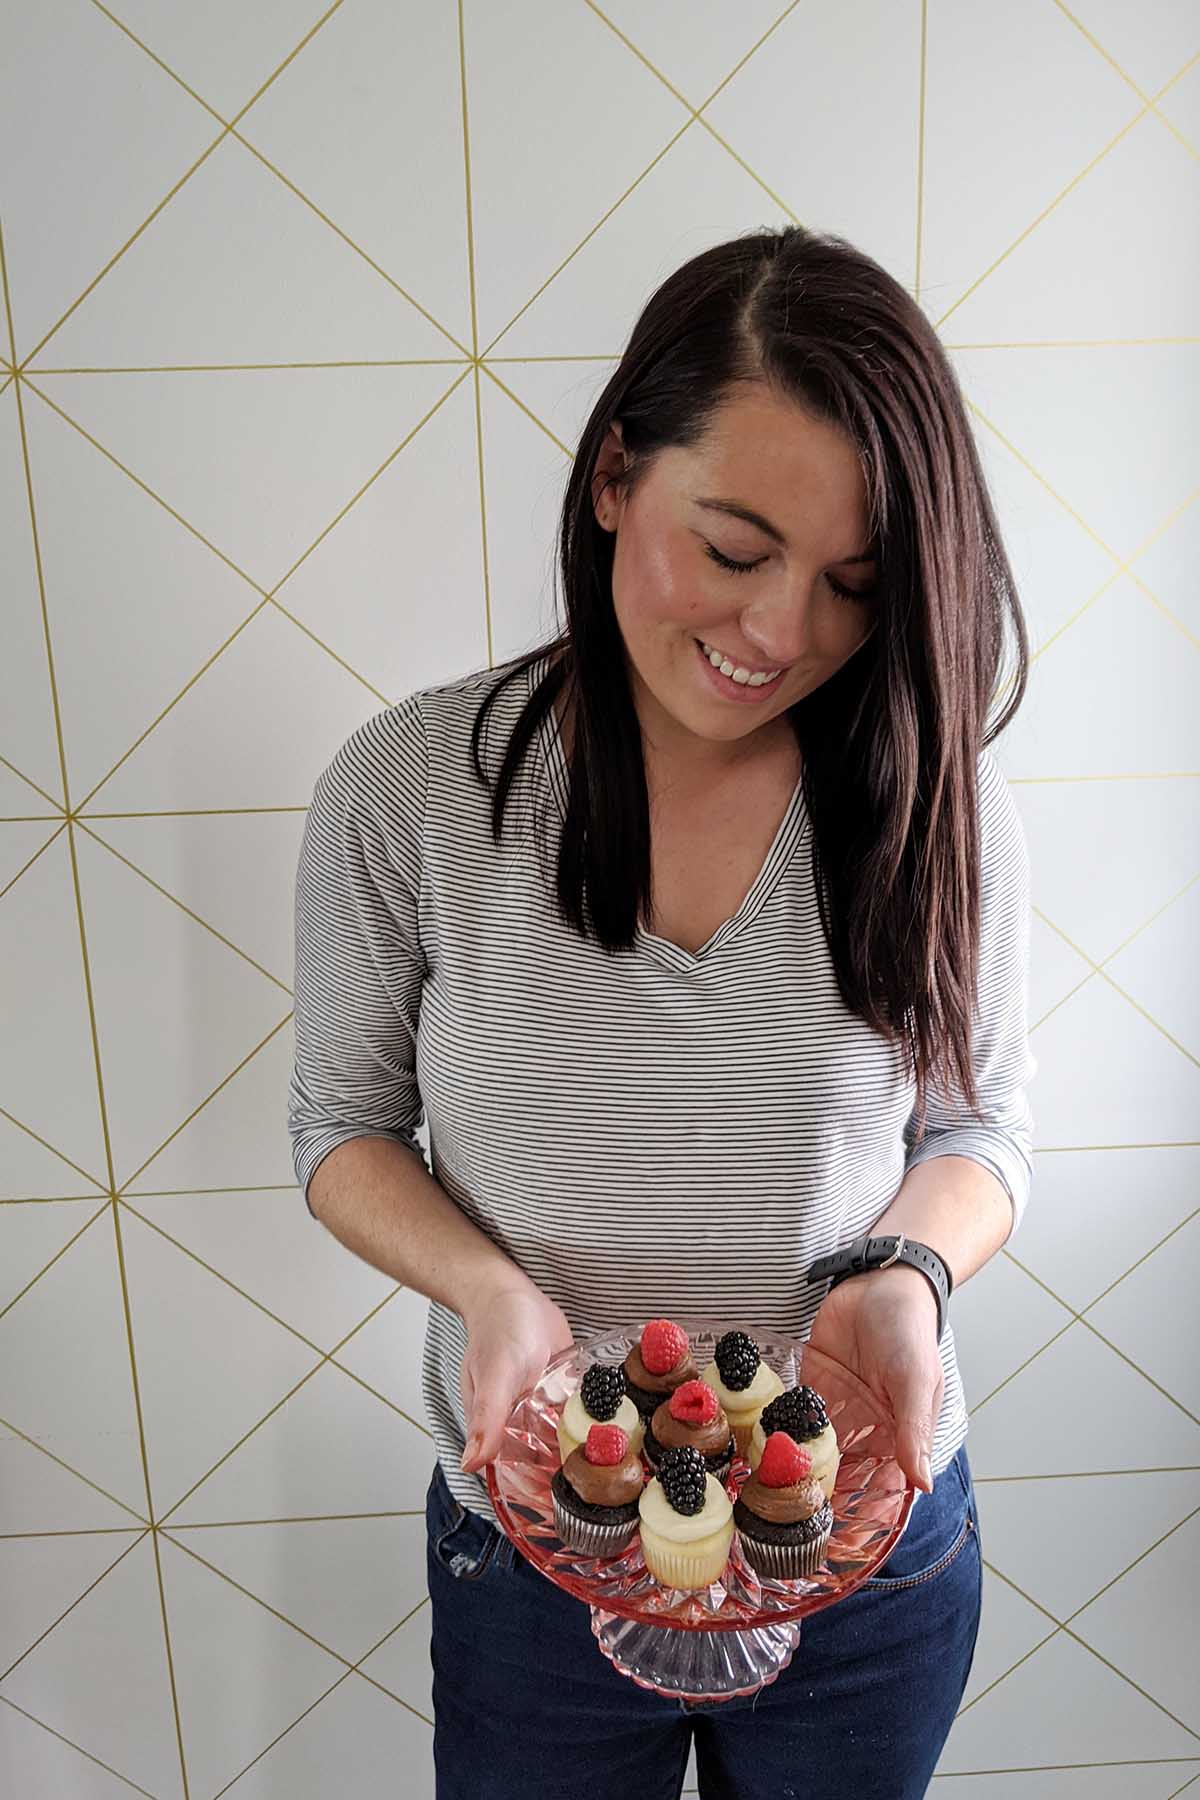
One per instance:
(525, 1703)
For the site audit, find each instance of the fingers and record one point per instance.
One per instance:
(915, 1412)
(486, 1421)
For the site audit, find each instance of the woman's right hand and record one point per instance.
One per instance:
(513, 1331)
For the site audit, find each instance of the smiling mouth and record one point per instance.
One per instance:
(740, 675)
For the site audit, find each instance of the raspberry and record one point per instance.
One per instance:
(784, 1462)
(694, 1403)
(664, 1346)
(606, 1445)
(684, 1479)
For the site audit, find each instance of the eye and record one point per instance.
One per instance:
(727, 562)
(862, 595)
(844, 593)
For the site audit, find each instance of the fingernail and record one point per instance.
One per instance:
(471, 1452)
(926, 1476)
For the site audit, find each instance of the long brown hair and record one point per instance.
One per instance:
(890, 743)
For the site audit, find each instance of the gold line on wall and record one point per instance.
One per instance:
(1099, 969)
(102, 1186)
(52, 1731)
(44, 1450)
(184, 908)
(1126, 77)
(276, 1319)
(1044, 214)
(137, 1538)
(274, 1032)
(260, 368)
(265, 597)
(1091, 1649)
(351, 1668)
(25, 867)
(61, 1252)
(227, 130)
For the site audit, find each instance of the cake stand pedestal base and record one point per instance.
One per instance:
(695, 1665)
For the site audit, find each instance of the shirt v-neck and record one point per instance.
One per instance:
(792, 830)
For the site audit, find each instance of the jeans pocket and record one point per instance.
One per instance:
(939, 1528)
(461, 1542)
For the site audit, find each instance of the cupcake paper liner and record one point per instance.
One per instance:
(587, 1536)
(688, 1567)
(785, 1562)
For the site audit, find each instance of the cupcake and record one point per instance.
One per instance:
(658, 1364)
(782, 1516)
(599, 1400)
(693, 1415)
(686, 1521)
(800, 1411)
(596, 1493)
(742, 1382)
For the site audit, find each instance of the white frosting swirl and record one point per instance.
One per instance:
(578, 1421)
(684, 1528)
(765, 1386)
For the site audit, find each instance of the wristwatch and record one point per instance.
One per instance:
(868, 1252)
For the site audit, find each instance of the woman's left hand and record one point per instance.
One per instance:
(882, 1325)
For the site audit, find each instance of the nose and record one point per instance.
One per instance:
(781, 629)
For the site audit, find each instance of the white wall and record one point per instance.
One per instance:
(255, 483)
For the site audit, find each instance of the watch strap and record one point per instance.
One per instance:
(867, 1253)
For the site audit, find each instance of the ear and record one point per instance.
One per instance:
(611, 463)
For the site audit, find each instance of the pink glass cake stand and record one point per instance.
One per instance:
(734, 1637)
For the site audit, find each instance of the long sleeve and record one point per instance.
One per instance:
(359, 965)
(1003, 1061)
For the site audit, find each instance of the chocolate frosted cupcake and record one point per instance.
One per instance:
(742, 1382)
(658, 1364)
(800, 1411)
(781, 1514)
(693, 1415)
(596, 1493)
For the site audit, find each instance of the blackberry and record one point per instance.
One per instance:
(737, 1359)
(684, 1478)
(602, 1391)
(800, 1412)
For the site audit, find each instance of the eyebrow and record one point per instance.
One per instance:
(738, 511)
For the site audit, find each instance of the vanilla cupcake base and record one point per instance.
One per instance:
(686, 1550)
(687, 1566)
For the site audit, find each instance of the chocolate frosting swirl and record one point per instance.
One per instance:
(783, 1505)
(605, 1484)
(705, 1438)
(640, 1375)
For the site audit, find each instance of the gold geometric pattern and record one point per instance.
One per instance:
(101, 1200)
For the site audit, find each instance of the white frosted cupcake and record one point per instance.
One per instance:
(743, 1383)
(800, 1411)
(686, 1522)
(599, 1400)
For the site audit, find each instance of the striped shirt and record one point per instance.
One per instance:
(658, 1132)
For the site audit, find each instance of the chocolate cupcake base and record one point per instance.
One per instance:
(591, 1530)
(783, 1552)
(717, 1462)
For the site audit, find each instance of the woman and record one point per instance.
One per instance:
(720, 966)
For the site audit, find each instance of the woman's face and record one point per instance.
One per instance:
(782, 614)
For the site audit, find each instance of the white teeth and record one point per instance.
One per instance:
(742, 676)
